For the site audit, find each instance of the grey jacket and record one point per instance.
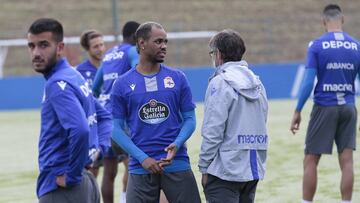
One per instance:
(235, 139)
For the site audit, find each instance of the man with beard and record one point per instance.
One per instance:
(155, 103)
(68, 120)
(93, 43)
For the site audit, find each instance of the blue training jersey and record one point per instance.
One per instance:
(114, 64)
(68, 128)
(336, 58)
(151, 107)
(88, 71)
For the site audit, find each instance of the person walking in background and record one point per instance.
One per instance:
(234, 146)
(334, 58)
(93, 43)
(155, 102)
(116, 62)
(68, 120)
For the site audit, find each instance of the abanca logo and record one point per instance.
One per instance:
(154, 112)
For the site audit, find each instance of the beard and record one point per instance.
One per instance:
(51, 62)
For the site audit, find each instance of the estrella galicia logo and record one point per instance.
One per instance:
(154, 112)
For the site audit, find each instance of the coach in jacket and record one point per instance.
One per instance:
(235, 140)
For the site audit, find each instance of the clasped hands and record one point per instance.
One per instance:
(157, 166)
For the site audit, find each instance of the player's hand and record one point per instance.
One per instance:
(152, 166)
(295, 122)
(204, 179)
(171, 152)
(60, 181)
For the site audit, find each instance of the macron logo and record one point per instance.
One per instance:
(62, 84)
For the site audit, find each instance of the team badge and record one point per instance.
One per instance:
(154, 112)
(169, 82)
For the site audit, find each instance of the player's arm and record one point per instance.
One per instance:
(104, 120)
(214, 123)
(98, 82)
(73, 119)
(306, 87)
(188, 127)
(124, 141)
(305, 90)
(133, 56)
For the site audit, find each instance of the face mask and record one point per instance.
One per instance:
(213, 62)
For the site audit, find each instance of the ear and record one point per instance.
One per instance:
(60, 48)
(141, 44)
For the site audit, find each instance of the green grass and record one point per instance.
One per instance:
(18, 154)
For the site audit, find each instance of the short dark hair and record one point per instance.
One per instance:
(88, 35)
(144, 31)
(47, 25)
(130, 28)
(332, 11)
(230, 45)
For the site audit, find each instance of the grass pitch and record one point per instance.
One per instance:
(19, 131)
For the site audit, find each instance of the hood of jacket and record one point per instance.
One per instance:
(238, 75)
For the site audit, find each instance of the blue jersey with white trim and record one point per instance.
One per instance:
(336, 58)
(151, 106)
(114, 64)
(88, 71)
(68, 128)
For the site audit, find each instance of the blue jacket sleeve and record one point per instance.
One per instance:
(104, 120)
(74, 121)
(124, 141)
(188, 127)
(133, 56)
(98, 82)
(306, 87)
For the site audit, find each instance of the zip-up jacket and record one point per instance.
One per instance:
(234, 130)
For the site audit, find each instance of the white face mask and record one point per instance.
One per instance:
(213, 59)
(213, 62)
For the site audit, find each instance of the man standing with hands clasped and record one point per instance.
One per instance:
(155, 102)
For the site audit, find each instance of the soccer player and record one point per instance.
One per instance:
(116, 62)
(334, 58)
(155, 102)
(234, 146)
(93, 43)
(68, 120)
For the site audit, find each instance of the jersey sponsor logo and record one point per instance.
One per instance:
(110, 76)
(62, 84)
(252, 139)
(335, 66)
(113, 56)
(337, 87)
(169, 82)
(335, 44)
(154, 112)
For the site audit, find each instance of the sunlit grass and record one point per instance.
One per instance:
(18, 155)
